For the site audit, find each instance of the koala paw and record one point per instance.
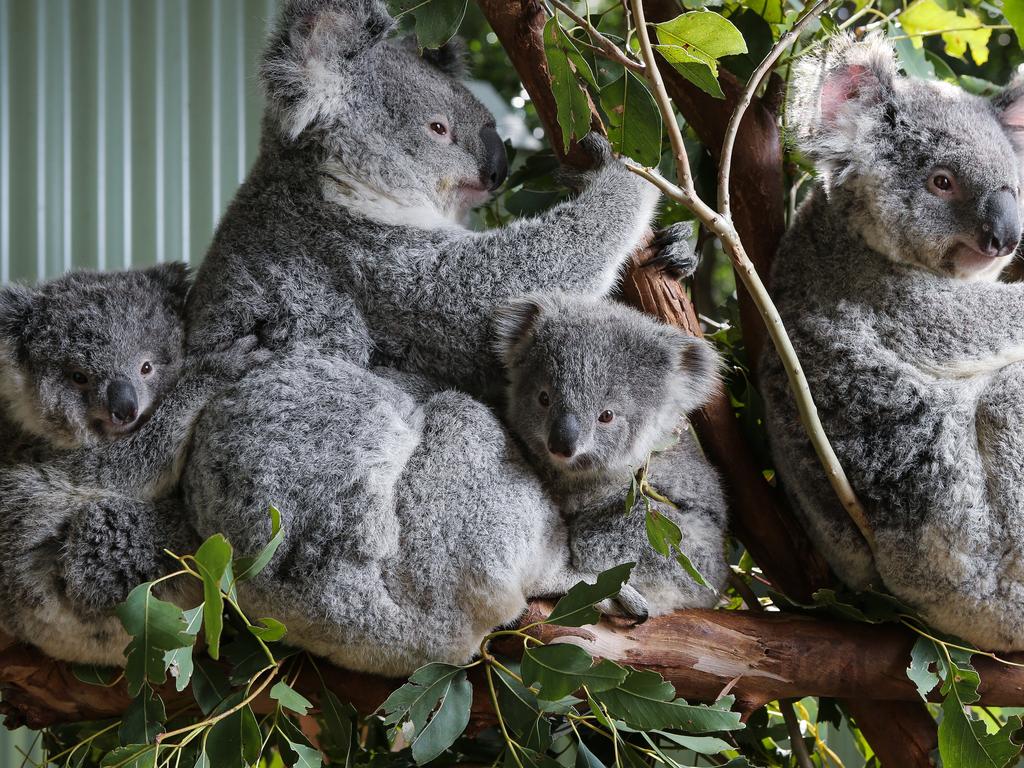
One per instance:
(601, 154)
(673, 252)
(629, 604)
(234, 362)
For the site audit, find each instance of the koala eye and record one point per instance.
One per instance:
(544, 399)
(942, 184)
(606, 417)
(78, 378)
(147, 368)
(439, 130)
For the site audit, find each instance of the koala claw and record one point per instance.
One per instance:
(629, 604)
(674, 254)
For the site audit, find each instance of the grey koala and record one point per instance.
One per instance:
(345, 248)
(911, 351)
(478, 532)
(595, 392)
(98, 408)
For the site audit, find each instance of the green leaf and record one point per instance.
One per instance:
(143, 720)
(519, 705)
(571, 101)
(203, 761)
(704, 745)
(437, 21)
(209, 685)
(576, 608)
(558, 670)
(1013, 10)
(965, 743)
(691, 570)
(156, 627)
(585, 758)
(694, 42)
(246, 656)
(646, 701)
(271, 630)
(923, 656)
(634, 121)
(436, 702)
(247, 567)
(769, 10)
(93, 674)
(179, 661)
(961, 28)
(212, 560)
(337, 721)
(289, 698)
(631, 496)
(300, 753)
(132, 756)
(235, 741)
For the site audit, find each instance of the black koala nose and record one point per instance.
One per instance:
(1001, 230)
(495, 166)
(564, 436)
(122, 402)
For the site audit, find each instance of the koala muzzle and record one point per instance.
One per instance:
(122, 402)
(495, 166)
(1001, 227)
(564, 438)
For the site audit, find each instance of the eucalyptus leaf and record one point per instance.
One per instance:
(576, 608)
(235, 741)
(436, 703)
(144, 719)
(268, 630)
(558, 670)
(248, 566)
(156, 627)
(437, 21)
(571, 101)
(212, 560)
(289, 698)
(646, 701)
(93, 674)
(634, 120)
(179, 661)
(337, 722)
(131, 756)
(210, 685)
(923, 656)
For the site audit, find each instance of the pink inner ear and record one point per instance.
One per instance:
(1013, 115)
(841, 87)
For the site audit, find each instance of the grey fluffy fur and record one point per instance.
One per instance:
(911, 354)
(344, 249)
(89, 506)
(573, 358)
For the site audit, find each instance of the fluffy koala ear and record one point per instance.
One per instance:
(450, 58)
(699, 368)
(513, 324)
(830, 92)
(313, 49)
(172, 282)
(1010, 105)
(16, 305)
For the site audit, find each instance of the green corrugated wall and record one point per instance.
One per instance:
(125, 127)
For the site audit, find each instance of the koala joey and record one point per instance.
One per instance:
(911, 351)
(98, 405)
(595, 389)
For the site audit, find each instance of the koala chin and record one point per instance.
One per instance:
(595, 392)
(912, 353)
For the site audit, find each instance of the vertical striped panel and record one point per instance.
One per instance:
(125, 128)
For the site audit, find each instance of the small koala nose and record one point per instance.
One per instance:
(122, 402)
(495, 166)
(1001, 229)
(564, 436)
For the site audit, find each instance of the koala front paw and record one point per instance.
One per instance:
(673, 252)
(599, 150)
(629, 604)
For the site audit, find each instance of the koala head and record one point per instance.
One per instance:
(926, 173)
(594, 386)
(381, 115)
(85, 358)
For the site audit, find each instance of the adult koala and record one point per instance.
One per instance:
(886, 284)
(344, 248)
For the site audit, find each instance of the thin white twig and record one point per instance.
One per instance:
(762, 71)
(721, 224)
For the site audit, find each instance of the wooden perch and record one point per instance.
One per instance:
(758, 657)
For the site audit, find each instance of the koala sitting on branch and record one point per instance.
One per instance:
(595, 392)
(912, 352)
(98, 403)
(345, 250)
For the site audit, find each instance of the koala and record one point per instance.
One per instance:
(479, 533)
(346, 251)
(595, 390)
(98, 406)
(912, 352)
